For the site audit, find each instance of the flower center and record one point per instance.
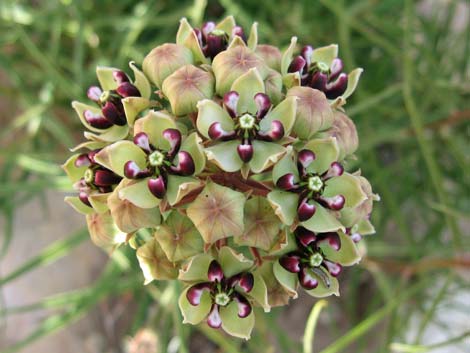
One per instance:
(323, 67)
(316, 260)
(88, 176)
(105, 96)
(156, 159)
(222, 299)
(218, 32)
(315, 183)
(247, 121)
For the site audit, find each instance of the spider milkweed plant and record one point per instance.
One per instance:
(224, 164)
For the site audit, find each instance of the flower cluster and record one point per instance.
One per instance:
(224, 164)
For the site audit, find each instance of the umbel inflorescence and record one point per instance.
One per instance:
(223, 163)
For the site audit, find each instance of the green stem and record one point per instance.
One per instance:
(309, 333)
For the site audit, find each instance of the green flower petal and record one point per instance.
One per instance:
(138, 193)
(322, 221)
(325, 54)
(196, 269)
(194, 314)
(365, 227)
(233, 324)
(225, 155)
(347, 185)
(78, 205)
(278, 295)
(179, 238)
(103, 231)
(153, 124)
(284, 166)
(73, 172)
(179, 186)
(347, 255)
(259, 293)
(353, 80)
(322, 291)
(292, 79)
(253, 37)
(217, 212)
(287, 56)
(247, 86)
(285, 205)
(105, 78)
(326, 152)
(90, 145)
(141, 82)
(133, 106)
(154, 263)
(193, 145)
(187, 37)
(210, 112)
(265, 155)
(99, 202)
(115, 156)
(114, 133)
(233, 263)
(262, 227)
(287, 279)
(226, 24)
(284, 112)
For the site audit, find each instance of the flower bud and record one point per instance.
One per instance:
(313, 112)
(187, 86)
(233, 63)
(165, 59)
(270, 54)
(345, 132)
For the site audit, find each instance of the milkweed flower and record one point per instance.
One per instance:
(225, 164)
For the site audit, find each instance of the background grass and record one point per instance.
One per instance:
(412, 111)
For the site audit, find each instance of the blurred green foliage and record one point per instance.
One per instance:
(412, 111)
